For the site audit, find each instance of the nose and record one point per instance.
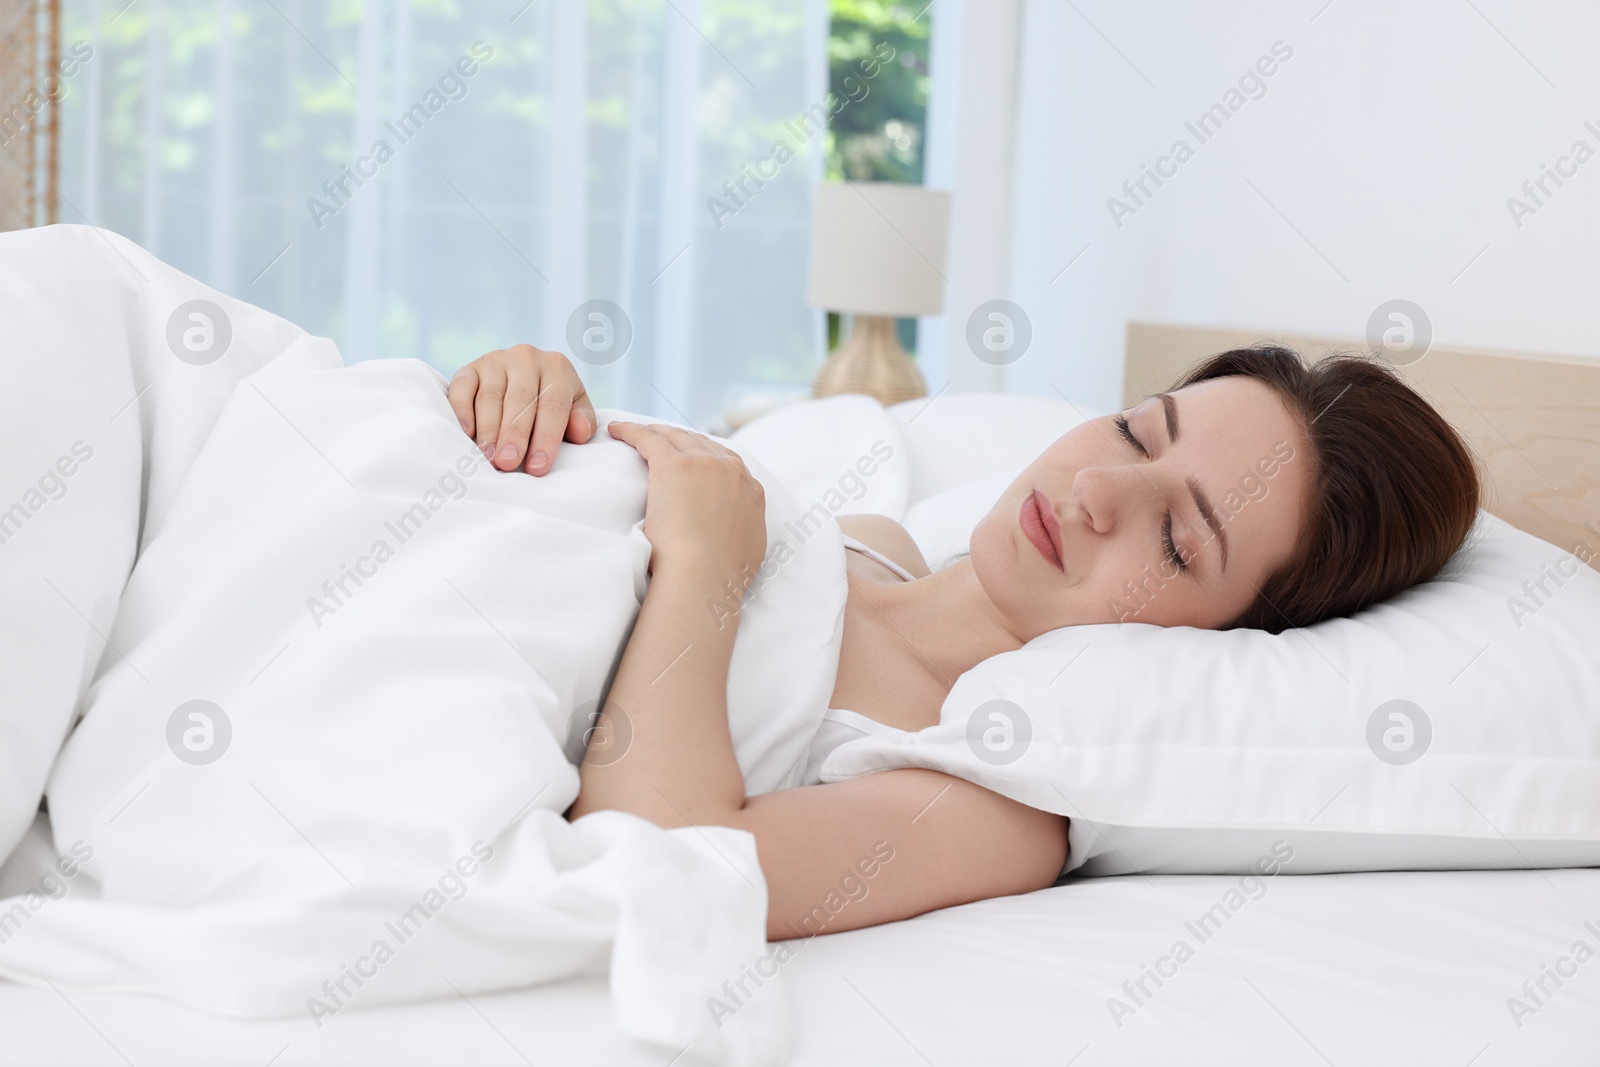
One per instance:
(1108, 495)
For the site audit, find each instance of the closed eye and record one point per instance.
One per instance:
(1173, 555)
(1126, 431)
(1168, 546)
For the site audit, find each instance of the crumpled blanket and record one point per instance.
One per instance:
(335, 708)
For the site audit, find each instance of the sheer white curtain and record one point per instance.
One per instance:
(436, 180)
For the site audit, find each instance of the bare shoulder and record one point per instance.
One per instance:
(887, 536)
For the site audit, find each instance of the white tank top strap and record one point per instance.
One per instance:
(874, 554)
(840, 726)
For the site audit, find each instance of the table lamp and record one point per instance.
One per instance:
(878, 253)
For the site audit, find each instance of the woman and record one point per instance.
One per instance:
(1370, 492)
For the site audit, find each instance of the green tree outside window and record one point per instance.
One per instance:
(878, 136)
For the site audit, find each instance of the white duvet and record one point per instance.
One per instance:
(335, 708)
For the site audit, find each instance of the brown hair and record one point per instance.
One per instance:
(1394, 490)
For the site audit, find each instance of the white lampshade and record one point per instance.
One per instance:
(878, 248)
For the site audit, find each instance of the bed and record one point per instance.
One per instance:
(1451, 967)
(1392, 968)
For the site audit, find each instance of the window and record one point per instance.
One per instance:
(436, 180)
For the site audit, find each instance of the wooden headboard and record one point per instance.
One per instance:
(1532, 420)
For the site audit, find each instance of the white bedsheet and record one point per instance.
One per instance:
(1412, 969)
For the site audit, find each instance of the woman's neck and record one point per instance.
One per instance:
(947, 619)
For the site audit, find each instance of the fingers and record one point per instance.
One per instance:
(519, 404)
(463, 387)
(656, 439)
(554, 415)
(659, 438)
(646, 440)
(581, 421)
(487, 406)
(522, 404)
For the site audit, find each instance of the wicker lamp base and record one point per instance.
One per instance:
(870, 361)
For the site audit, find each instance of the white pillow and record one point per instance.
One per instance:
(843, 452)
(942, 524)
(956, 438)
(1454, 726)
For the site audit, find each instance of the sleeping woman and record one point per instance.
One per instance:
(1372, 493)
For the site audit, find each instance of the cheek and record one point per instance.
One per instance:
(1129, 584)
(991, 556)
(1002, 575)
(1178, 599)
(1134, 582)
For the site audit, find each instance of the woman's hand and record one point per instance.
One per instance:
(704, 515)
(521, 401)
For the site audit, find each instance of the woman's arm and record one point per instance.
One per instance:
(836, 857)
(938, 841)
(661, 748)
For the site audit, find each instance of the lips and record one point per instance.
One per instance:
(1039, 525)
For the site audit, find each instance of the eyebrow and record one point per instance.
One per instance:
(1171, 407)
(1210, 515)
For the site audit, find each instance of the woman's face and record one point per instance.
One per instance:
(1174, 512)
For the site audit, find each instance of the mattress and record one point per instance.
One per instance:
(1410, 968)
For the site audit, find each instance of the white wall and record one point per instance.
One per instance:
(1391, 141)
